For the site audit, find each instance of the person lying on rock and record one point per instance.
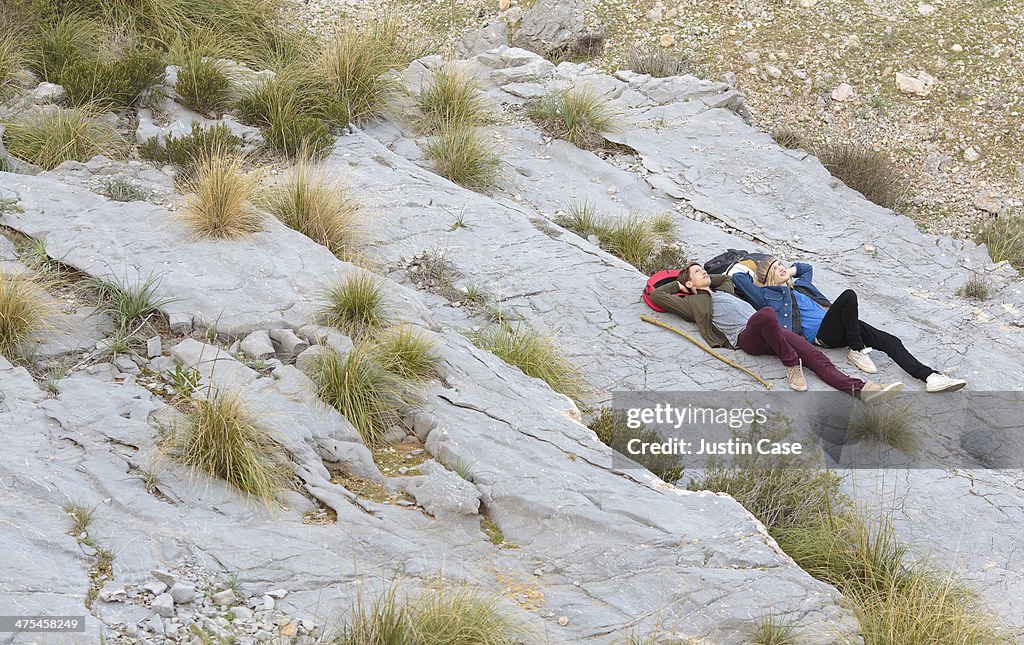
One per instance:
(724, 320)
(801, 308)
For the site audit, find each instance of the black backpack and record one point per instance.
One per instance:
(723, 262)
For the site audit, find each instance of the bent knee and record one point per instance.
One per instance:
(849, 295)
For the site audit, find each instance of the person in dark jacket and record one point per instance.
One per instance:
(724, 320)
(800, 307)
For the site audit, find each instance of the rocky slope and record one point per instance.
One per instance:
(602, 551)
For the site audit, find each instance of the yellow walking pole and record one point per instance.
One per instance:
(705, 348)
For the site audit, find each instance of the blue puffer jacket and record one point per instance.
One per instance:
(781, 298)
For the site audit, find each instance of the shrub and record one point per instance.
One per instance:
(771, 631)
(976, 288)
(356, 305)
(870, 173)
(51, 137)
(122, 190)
(535, 354)
(125, 303)
(60, 41)
(656, 62)
(296, 135)
(612, 430)
(202, 85)
(24, 310)
(11, 61)
(220, 201)
(319, 208)
(222, 438)
(579, 116)
(111, 85)
(189, 150)
(894, 424)
(450, 99)
(363, 390)
(789, 137)
(1004, 237)
(461, 155)
(404, 352)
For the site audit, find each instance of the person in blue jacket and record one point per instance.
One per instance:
(801, 308)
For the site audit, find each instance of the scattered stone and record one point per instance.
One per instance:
(278, 594)
(154, 347)
(242, 613)
(287, 344)
(47, 93)
(183, 592)
(164, 577)
(666, 40)
(180, 323)
(1020, 172)
(773, 71)
(163, 605)
(503, 5)
(563, 620)
(936, 163)
(989, 201)
(868, 248)
(752, 57)
(224, 598)
(257, 345)
(289, 630)
(972, 154)
(921, 85)
(155, 587)
(957, 48)
(844, 92)
(125, 363)
(808, 3)
(268, 603)
(116, 594)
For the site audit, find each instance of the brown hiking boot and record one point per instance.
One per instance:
(795, 378)
(874, 393)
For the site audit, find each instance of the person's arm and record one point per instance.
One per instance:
(802, 270)
(748, 290)
(664, 296)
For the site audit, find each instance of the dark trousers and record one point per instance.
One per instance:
(764, 335)
(842, 327)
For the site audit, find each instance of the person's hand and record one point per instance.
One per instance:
(792, 271)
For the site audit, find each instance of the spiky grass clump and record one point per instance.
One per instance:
(1004, 238)
(789, 137)
(579, 116)
(461, 155)
(49, 138)
(126, 303)
(363, 390)
(111, 85)
(894, 424)
(404, 352)
(867, 171)
(60, 41)
(297, 135)
(203, 84)
(356, 305)
(535, 354)
(320, 208)
(223, 438)
(655, 61)
(446, 616)
(122, 190)
(220, 201)
(451, 99)
(12, 59)
(24, 310)
(188, 150)
(612, 430)
(773, 631)
(646, 242)
(976, 288)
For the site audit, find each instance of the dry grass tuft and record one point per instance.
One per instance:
(870, 173)
(356, 305)
(49, 138)
(579, 116)
(451, 99)
(1004, 238)
(24, 310)
(220, 201)
(462, 155)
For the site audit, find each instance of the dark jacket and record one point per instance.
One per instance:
(696, 308)
(781, 298)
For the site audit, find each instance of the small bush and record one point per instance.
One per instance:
(363, 390)
(655, 61)
(296, 135)
(49, 138)
(60, 42)
(451, 99)
(461, 155)
(222, 438)
(111, 85)
(893, 424)
(579, 116)
(789, 137)
(203, 86)
(356, 305)
(12, 59)
(220, 201)
(126, 303)
(122, 190)
(976, 288)
(189, 150)
(24, 310)
(535, 354)
(292, 90)
(612, 430)
(319, 208)
(772, 631)
(404, 352)
(870, 173)
(1004, 237)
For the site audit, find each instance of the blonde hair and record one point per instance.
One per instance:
(766, 275)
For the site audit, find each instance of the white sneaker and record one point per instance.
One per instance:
(937, 382)
(862, 361)
(874, 393)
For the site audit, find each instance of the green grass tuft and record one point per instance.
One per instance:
(220, 202)
(203, 85)
(772, 631)
(127, 303)
(223, 438)
(12, 60)
(579, 116)
(24, 311)
(122, 190)
(462, 155)
(535, 354)
(49, 138)
(356, 305)
(976, 288)
(1004, 238)
(646, 242)
(111, 85)
(451, 99)
(612, 430)
(404, 352)
(296, 135)
(894, 424)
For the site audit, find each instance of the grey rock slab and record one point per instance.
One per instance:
(163, 605)
(7, 250)
(257, 344)
(483, 39)
(286, 344)
(550, 25)
(272, 279)
(443, 493)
